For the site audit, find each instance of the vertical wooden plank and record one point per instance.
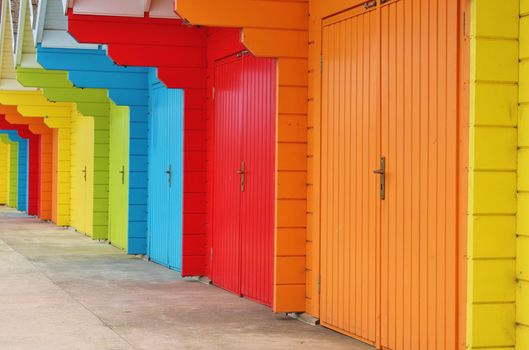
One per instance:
(349, 154)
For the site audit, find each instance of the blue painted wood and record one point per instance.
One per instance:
(23, 168)
(127, 86)
(166, 149)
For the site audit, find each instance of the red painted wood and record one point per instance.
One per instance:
(226, 199)
(258, 152)
(34, 192)
(243, 218)
(179, 53)
(184, 57)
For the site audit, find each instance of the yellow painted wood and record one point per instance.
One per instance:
(522, 261)
(82, 164)
(523, 125)
(522, 247)
(497, 148)
(493, 163)
(13, 175)
(496, 60)
(4, 172)
(494, 192)
(493, 325)
(522, 337)
(524, 37)
(494, 237)
(524, 81)
(496, 104)
(57, 116)
(500, 272)
(522, 217)
(522, 300)
(524, 10)
(494, 18)
(63, 163)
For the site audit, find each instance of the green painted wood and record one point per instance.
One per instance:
(119, 182)
(13, 170)
(90, 102)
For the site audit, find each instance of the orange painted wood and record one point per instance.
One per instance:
(283, 36)
(390, 268)
(37, 126)
(349, 153)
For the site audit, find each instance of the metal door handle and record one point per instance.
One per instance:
(242, 172)
(84, 171)
(169, 172)
(382, 173)
(122, 172)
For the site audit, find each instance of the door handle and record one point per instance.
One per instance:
(169, 172)
(122, 172)
(242, 172)
(84, 171)
(382, 173)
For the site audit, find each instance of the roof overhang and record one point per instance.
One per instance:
(125, 8)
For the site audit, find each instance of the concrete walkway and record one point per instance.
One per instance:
(61, 290)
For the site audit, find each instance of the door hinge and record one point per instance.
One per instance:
(321, 63)
(211, 255)
(213, 93)
(242, 53)
(370, 4)
(319, 283)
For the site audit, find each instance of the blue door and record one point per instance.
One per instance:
(165, 176)
(23, 179)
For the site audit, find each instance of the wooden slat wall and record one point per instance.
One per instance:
(522, 263)
(492, 176)
(285, 38)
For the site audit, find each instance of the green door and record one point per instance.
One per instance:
(13, 175)
(119, 179)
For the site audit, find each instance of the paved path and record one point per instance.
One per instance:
(61, 290)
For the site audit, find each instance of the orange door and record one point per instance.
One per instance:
(389, 242)
(349, 152)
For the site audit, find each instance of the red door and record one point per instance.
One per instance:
(244, 165)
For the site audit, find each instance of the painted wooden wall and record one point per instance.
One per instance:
(89, 102)
(119, 177)
(522, 240)
(19, 187)
(164, 39)
(285, 38)
(82, 172)
(127, 86)
(492, 175)
(13, 171)
(4, 173)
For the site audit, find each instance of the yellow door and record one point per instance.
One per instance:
(4, 172)
(82, 173)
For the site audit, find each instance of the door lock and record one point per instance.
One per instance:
(84, 171)
(169, 172)
(382, 173)
(122, 172)
(242, 172)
